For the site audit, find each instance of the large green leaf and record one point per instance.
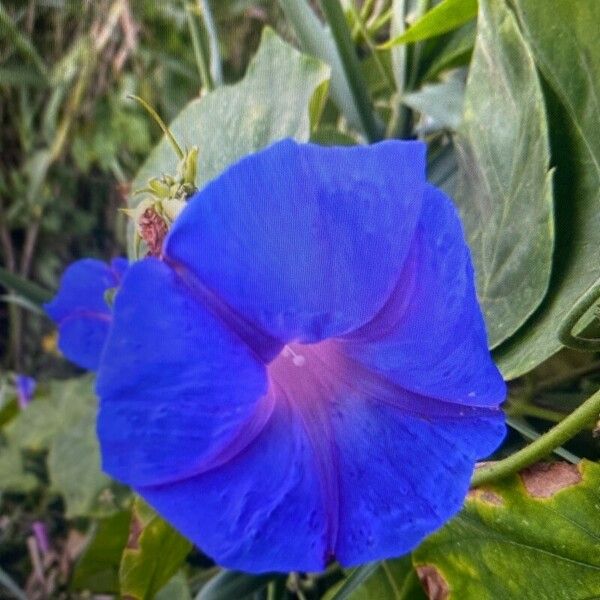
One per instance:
(269, 104)
(533, 537)
(63, 422)
(153, 555)
(505, 192)
(564, 40)
(390, 579)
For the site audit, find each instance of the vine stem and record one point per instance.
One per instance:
(565, 331)
(543, 446)
(336, 19)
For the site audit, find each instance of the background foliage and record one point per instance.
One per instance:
(506, 94)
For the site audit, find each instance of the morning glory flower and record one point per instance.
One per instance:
(304, 374)
(81, 310)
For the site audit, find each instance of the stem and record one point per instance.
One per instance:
(399, 125)
(316, 40)
(20, 42)
(334, 14)
(387, 77)
(161, 124)
(558, 381)
(199, 54)
(422, 8)
(565, 331)
(545, 444)
(522, 426)
(216, 68)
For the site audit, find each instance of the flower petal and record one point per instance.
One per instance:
(430, 337)
(80, 310)
(262, 511)
(176, 386)
(305, 242)
(402, 476)
(348, 466)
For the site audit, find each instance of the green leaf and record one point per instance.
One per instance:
(236, 120)
(74, 466)
(154, 553)
(505, 191)
(390, 579)
(233, 584)
(23, 287)
(532, 536)
(54, 410)
(177, 588)
(441, 102)
(446, 16)
(456, 52)
(564, 41)
(13, 477)
(98, 568)
(21, 75)
(63, 422)
(328, 135)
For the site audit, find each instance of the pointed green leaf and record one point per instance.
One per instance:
(23, 287)
(391, 579)
(564, 40)
(532, 536)
(154, 553)
(234, 584)
(505, 192)
(446, 16)
(176, 588)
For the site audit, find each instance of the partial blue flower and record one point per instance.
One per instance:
(81, 311)
(305, 375)
(25, 387)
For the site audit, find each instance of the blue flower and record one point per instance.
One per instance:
(81, 311)
(305, 375)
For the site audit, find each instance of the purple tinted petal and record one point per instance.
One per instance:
(304, 241)
(177, 387)
(80, 309)
(262, 511)
(430, 337)
(402, 477)
(348, 466)
(82, 288)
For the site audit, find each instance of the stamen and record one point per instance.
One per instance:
(297, 359)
